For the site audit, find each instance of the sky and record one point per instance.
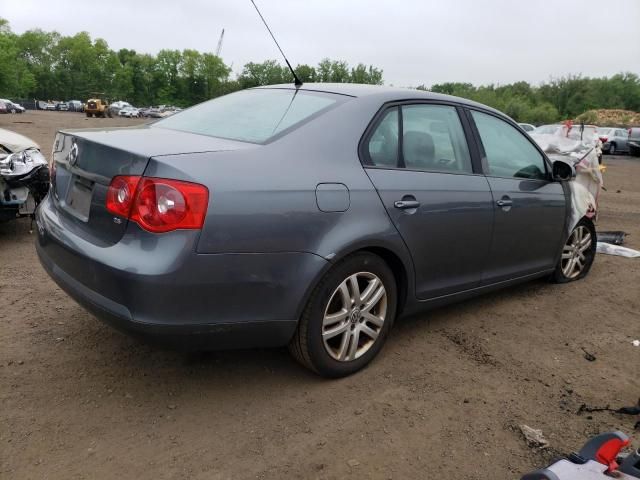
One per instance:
(414, 42)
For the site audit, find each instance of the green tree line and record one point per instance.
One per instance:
(47, 65)
(554, 100)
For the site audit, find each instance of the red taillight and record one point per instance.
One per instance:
(603, 139)
(158, 204)
(121, 193)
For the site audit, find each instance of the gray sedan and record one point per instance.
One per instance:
(614, 140)
(309, 217)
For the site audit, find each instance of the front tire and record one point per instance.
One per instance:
(612, 149)
(348, 317)
(578, 253)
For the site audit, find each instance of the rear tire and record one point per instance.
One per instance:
(578, 253)
(88, 115)
(347, 318)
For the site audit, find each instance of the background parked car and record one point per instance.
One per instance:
(3, 107)
(129, 112)
(115, 107)
(527, 127)
(50, 106)
(12, 107)
(634, 141)
(614, 140)
(75, 106)
(62, 106)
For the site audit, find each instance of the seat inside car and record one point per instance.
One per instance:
(418, 150)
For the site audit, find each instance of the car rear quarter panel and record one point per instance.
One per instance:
(264, 199)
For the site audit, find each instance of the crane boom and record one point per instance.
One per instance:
(219, 47)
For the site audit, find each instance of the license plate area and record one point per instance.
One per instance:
(78, 199)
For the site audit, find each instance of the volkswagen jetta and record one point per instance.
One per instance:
(310, 217)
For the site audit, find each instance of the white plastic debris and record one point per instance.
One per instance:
(621, 251)
(534, 438)
(636, 343)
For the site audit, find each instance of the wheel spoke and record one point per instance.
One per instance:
(566, 256)
(369, 290)
(335, 317)
(370, 332)
(377, 321)
(344, 293)
(585, 243)
(355, 289)
(353, 348)
(375, 298)
(328, 334)
(344, 346)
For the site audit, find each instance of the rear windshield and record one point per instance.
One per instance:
(252, 115)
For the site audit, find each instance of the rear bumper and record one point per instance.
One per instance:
(157, 287)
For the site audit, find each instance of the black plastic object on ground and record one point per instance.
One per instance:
(615, 238)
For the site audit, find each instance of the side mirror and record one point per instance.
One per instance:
(563, 171)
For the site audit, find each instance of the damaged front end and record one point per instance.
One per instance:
(582, 154)
(24, 180)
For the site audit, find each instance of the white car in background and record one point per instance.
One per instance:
(527, 127)
(130, 112)
(12, 107)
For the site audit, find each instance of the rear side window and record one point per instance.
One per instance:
(508, 152)
(432, 140)
(252, 115)
(383, 144)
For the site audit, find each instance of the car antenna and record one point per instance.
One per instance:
(297, 82)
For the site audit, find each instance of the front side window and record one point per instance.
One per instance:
(252, 115)
(432, 140)
(507, 150)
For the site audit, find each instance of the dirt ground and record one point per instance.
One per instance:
(444, 399)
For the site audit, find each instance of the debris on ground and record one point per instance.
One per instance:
(636, 343)
(534, 438)
(634, 410)
(589, 356)
(618, 250)
(614, 238)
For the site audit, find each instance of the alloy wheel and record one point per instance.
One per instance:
(574, 252)
(354, 316)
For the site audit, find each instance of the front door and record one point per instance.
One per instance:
(529, 209)
(443, 211)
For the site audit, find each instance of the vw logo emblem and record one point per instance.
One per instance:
(72, 157)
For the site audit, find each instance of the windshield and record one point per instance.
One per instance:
(252, 115)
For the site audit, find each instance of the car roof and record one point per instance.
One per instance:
(384, 93)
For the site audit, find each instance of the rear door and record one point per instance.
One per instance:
(418, 159)
(529, 209)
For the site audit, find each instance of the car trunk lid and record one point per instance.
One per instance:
(85, 162)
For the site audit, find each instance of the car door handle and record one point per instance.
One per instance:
(406, 204)
(504, 202)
